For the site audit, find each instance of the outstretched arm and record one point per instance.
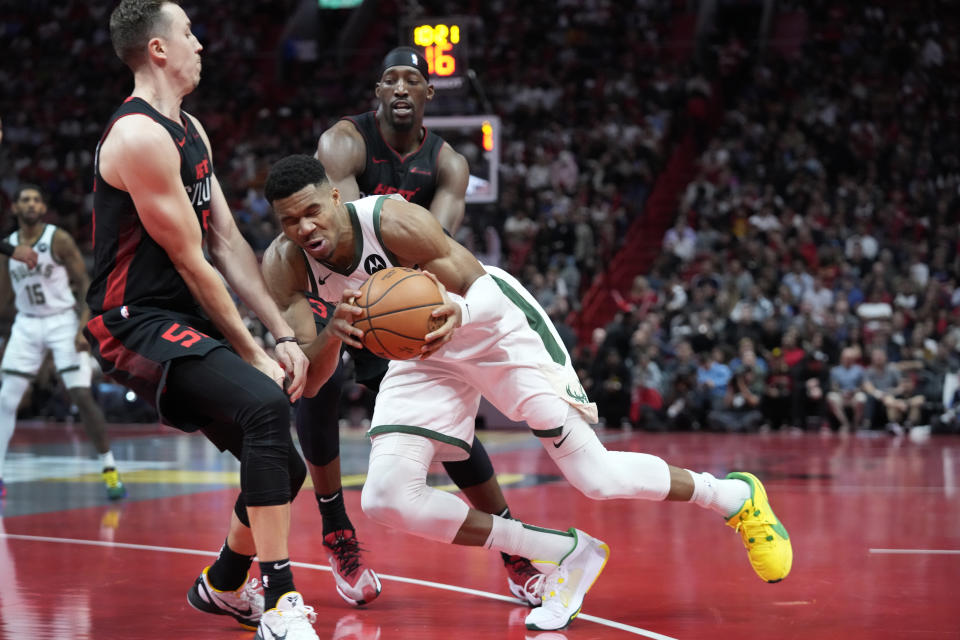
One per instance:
(21, 252)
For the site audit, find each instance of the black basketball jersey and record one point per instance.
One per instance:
(413, 176)
(129, 266)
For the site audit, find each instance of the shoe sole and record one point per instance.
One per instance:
(367, 597)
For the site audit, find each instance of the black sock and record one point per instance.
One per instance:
(505, 514)
(229, 570)
(333, 512)
(277, 580)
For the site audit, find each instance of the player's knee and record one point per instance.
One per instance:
(389, 492)
(265, 417)
(596, 486)
(376, 500)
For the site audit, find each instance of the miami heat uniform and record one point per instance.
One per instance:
(143, 315)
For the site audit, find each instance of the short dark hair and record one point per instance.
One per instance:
(132, 24)
(289, 175)
(29, 186)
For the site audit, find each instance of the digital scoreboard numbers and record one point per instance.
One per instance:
(443, 43)
(476, 138)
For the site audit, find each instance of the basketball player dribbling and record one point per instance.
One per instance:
(497, 342)
(380, 152)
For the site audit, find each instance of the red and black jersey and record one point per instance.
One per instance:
(413, 176)
(130, 268)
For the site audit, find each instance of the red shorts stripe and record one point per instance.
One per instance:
(127, 362)
(117, 280)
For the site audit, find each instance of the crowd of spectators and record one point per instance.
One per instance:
(811, 278)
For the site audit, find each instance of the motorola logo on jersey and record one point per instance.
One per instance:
(374, 263)
(41, 247)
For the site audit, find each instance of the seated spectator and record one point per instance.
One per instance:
(713, 376)
(887, 389)
(742, 399)
(846, 393)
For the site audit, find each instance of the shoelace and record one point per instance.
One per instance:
(756, 530)
(300, 616)
(251, 595)
(551, 587)
(523, 567)
(347, 553)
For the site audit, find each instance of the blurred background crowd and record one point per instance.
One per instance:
(741, 215)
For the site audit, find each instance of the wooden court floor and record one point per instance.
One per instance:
(875, 524)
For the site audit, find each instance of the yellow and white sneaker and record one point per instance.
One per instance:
(766, 539)
(565, 587)
(289, 620)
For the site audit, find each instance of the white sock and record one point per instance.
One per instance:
(106, 459)
(723, 496)
(536, 543)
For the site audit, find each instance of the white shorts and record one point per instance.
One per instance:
(30, 339)
(517, 362)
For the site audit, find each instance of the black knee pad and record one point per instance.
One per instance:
(475, 470)
(240, 508)
(298, 472)
(318, 421)
(264, 420)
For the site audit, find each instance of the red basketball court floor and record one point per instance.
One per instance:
(875, 524)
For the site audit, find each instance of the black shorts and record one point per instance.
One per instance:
(135, 345)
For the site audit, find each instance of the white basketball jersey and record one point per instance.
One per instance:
(45, 289)
(328, 283)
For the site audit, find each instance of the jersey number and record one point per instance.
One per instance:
(35, 294)
(185, 337)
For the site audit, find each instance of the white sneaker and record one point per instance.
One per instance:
(289, 620)
(565, 587)
(245, 604)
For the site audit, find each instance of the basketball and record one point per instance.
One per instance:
(397, 304)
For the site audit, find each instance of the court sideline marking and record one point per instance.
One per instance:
(322, 567)
(931, 552)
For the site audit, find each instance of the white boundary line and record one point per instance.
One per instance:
(322, 567)
(929, 552)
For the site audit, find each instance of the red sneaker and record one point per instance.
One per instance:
(356, 584)
(523, 579)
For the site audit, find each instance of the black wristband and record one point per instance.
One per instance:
(6, 248)
(286, 339)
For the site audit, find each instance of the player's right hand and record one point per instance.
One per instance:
(341, 324)
(294, 362)
(25, 254)
(268, 367)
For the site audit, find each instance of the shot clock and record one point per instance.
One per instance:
(444, 46)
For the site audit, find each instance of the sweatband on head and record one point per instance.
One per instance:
(406, 57)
